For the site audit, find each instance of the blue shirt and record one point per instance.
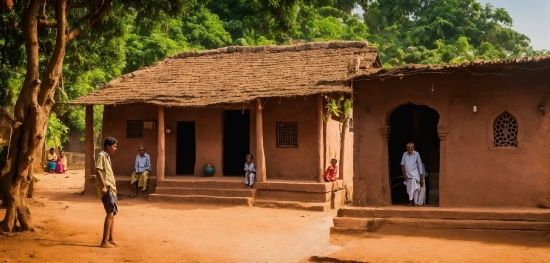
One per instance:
(143, 163)
(413, 164)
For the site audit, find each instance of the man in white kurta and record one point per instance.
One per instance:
(411, 165)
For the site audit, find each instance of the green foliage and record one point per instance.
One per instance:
(205, 30)
(328, 23)
(57, 131)
(271, 19)
(339, 107)
(443, 31)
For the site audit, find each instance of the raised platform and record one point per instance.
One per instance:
(358, 219)
(303, 195)
(210, 190)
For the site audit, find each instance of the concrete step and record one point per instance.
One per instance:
(246, 201)
(292, 205)
(504, 214)
(206, 191)
(203, 183)
(373, 224)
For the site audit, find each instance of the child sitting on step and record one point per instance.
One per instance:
(250, 171)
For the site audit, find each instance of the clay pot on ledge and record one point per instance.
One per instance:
(209, 170)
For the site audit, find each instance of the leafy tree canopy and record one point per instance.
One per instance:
(442, 31)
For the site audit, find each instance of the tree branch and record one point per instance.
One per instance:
(53, 70)
(91, 18)
(30, 87)
(46, 23)
(73, 4)
(74, 33)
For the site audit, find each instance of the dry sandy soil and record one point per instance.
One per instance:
(69, 225)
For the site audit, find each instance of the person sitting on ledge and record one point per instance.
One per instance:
(249, 171)
(61, 165)
(52, 160)
(332, 171)
(141, 171)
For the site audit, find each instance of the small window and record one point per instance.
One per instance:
(135, 129)
(287, 134)
(505, 131)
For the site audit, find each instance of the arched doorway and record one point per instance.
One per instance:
(417, 124)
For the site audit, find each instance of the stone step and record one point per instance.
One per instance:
(373, 224)
(206, 191)
(246, 201)
(505, 214)
(203, 183)
(292, 205)
(124, 187)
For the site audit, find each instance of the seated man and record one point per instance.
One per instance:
(331, 174)
(141, 170)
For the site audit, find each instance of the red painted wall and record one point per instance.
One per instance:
(115, 124)
(472, 171)
(291, 163)
(281, 163)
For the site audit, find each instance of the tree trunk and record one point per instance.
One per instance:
(31, 113)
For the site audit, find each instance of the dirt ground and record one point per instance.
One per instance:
(69, 226)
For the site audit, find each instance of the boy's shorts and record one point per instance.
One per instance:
(109, 202)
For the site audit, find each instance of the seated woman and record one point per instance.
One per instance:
(52, 160)
(332, 171)
(61, 163)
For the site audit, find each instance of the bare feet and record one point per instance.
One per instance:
(143, 189)
(114, 243)
(107, 245)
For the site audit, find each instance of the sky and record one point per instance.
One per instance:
(531, 18)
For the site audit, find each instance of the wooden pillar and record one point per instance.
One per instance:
(89, 158)
(383, 178)
(161, 147)
(443, 189)
(320, 142)
(260, 155)
(89, 152)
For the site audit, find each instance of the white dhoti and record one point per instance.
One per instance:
(416, 193)
(413, 189)
(421, 198)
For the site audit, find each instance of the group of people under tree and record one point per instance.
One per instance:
(56, 163)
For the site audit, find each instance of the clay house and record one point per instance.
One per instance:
(480, 127)
(213, 107)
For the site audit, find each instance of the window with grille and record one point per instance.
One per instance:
(287, 134)
(505, 131)
(135, 129)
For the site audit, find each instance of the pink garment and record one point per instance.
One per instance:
(59, 167)
(330, 173)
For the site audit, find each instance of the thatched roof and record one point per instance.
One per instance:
(478, 66)
(238, 74)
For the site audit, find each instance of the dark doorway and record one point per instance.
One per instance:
(186, 145)
(236, 141)
(417, 124)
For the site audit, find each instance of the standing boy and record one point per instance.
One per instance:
(106, 190)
